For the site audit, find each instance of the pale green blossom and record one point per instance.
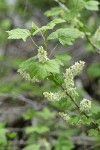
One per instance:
(42, 55)
(85, 105)
(54, 96)
(65, 116)
(27, 76)
(77, 67)
(69, 77)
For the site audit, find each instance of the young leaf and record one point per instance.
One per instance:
(34, 27)
(19, 34)
(50, 25)
(53, 11)
(53, 35)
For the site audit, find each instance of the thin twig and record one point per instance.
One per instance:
(34, 42)
(45, 44)
(53, 50)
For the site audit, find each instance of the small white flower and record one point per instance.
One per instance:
(42, 55)
(66, 117)
(27, 76)
(85, 105)
(69, 77)
(54, 96)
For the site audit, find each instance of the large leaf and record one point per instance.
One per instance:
(53, 11)
(53, 35)
(92, 5)
(65, 35)
(52, 66)
(19, 34)
(39, 70)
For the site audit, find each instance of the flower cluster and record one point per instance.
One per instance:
(66, 117)
(69, 77)
(27, 76)
(54, 96)
(42, 55)
(85, 105)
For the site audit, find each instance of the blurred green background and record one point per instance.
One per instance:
(27, 120)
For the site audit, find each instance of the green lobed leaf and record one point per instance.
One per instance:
(93, 132)
(19, 34)
(50, 25)
(40, 70)
(53, 11)
(53, 35)
(92, 5)
(65, 35)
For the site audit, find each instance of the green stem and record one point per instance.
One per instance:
(53, 50)
(45, 42)
(34, 42)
